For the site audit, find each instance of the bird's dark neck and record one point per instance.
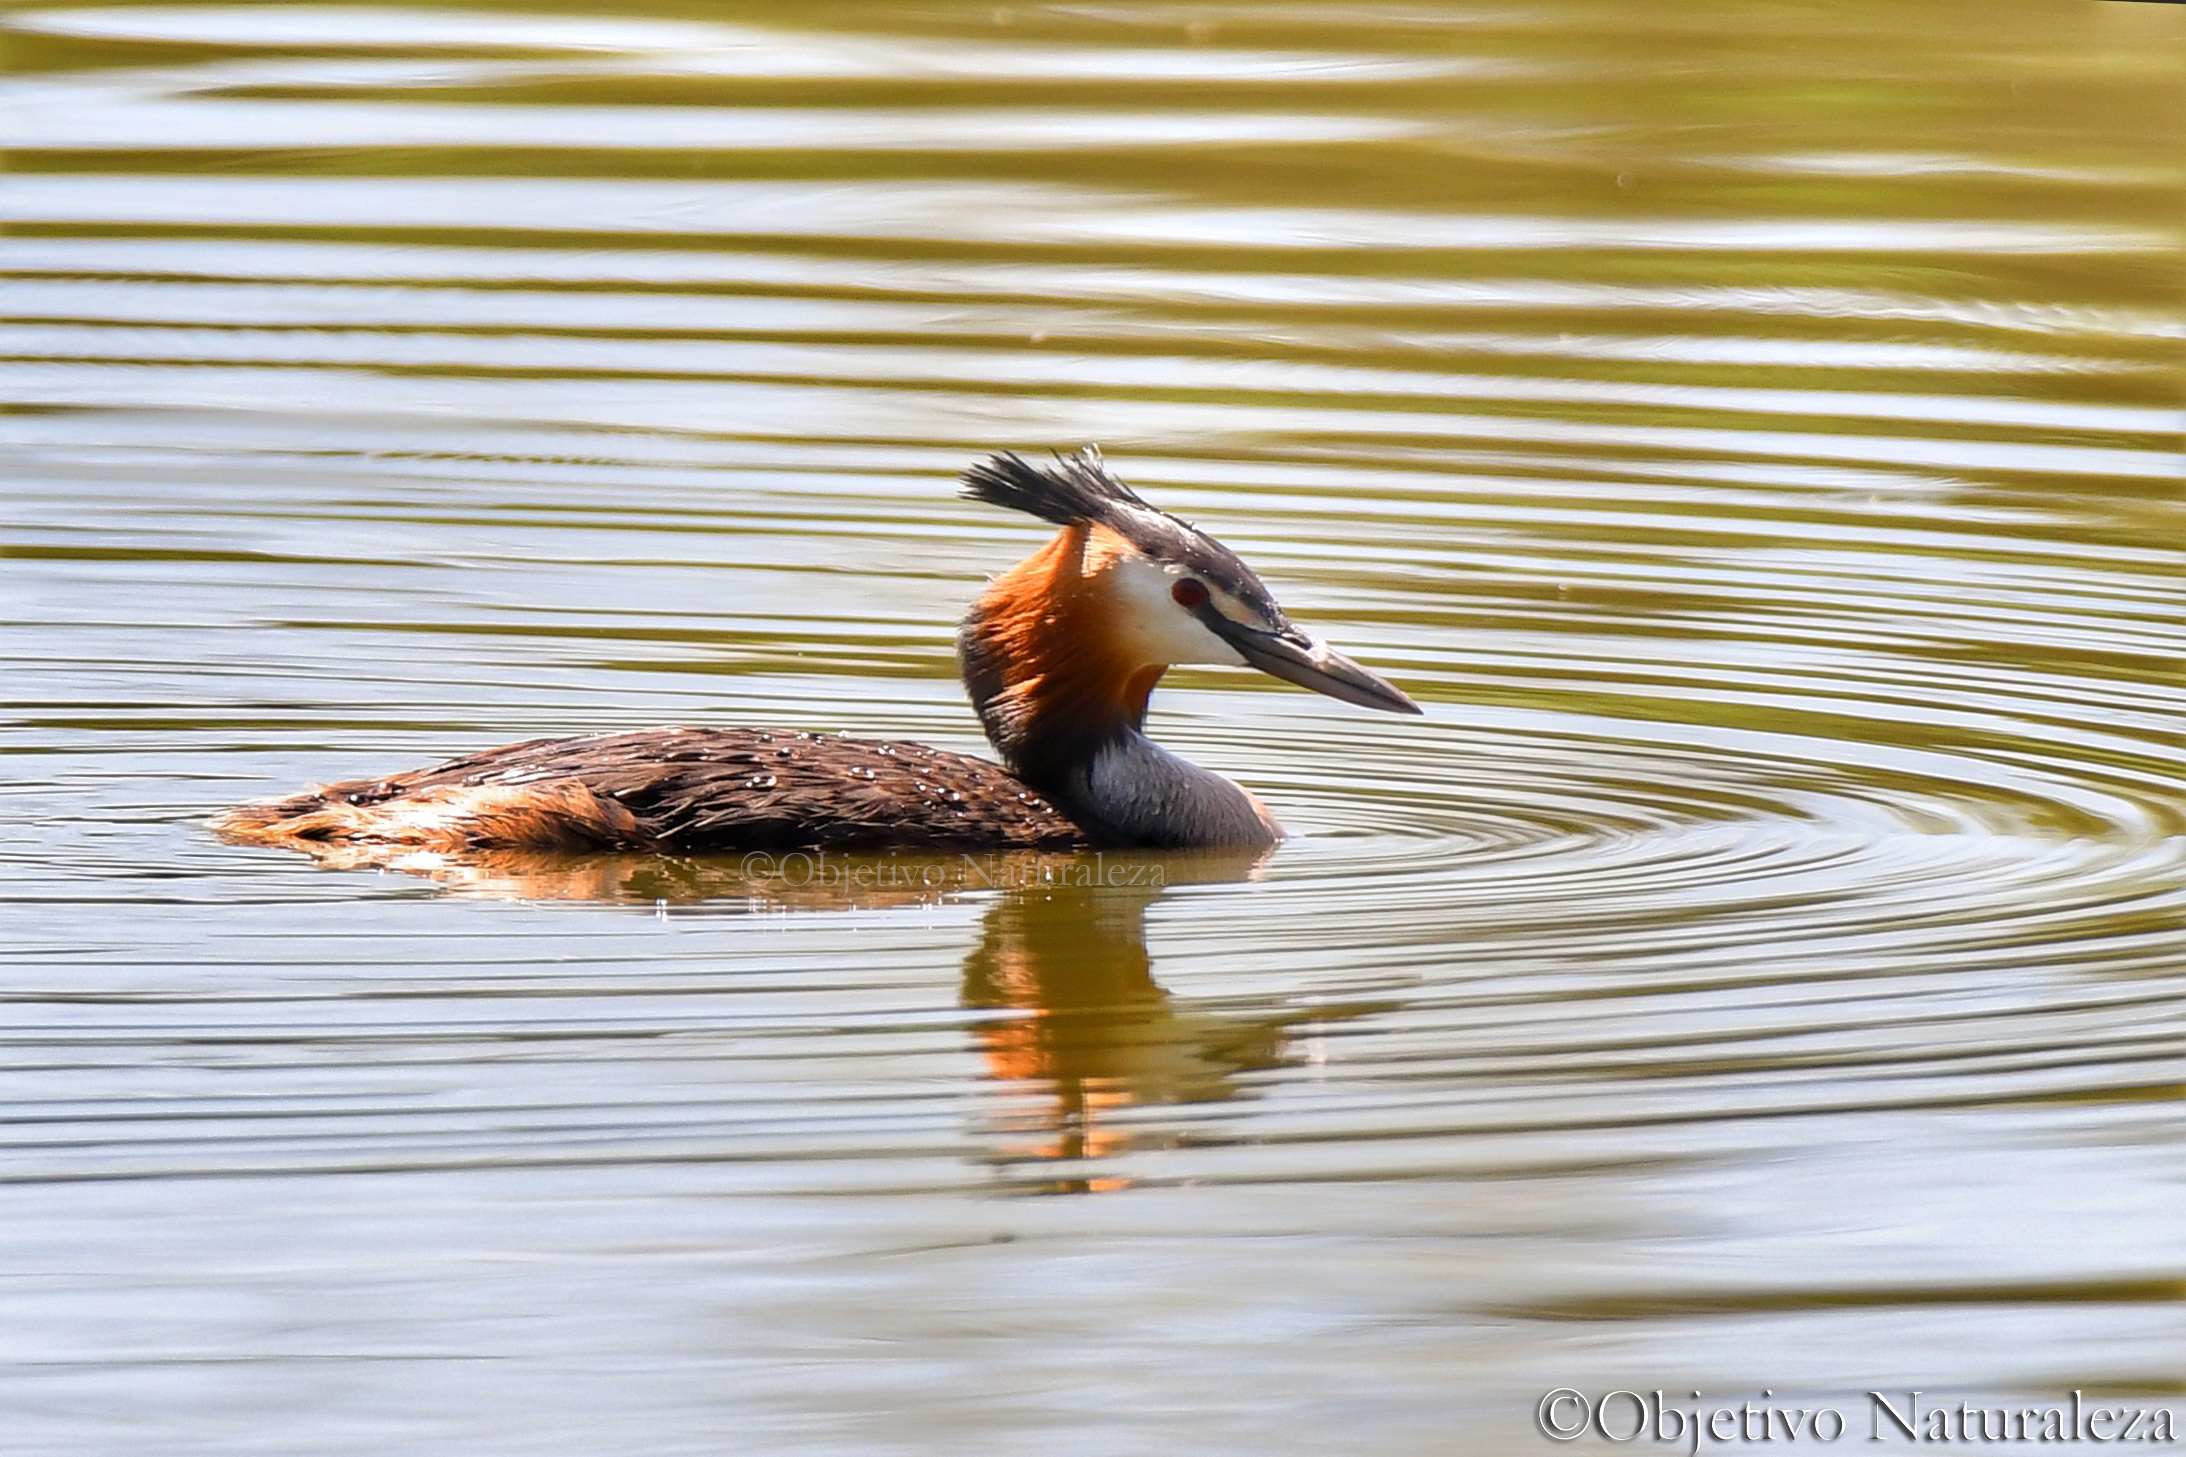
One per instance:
(1065, 706)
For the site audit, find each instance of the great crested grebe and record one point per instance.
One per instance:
(1059, 655)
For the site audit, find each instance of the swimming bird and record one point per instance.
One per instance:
(1059, 655)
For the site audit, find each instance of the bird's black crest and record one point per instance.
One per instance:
(1077, 490)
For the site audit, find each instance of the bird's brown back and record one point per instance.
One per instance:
(678, 789)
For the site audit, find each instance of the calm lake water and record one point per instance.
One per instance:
(1753, 433)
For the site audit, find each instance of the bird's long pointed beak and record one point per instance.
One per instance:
(1309, 663)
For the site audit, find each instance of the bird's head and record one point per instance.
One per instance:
(1125, 590)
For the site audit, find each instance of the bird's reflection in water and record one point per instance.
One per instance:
(1093, 1033)
(1073, 1026)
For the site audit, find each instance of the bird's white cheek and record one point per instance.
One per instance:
(1155, 628)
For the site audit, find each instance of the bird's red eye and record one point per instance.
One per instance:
(1189, 592)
